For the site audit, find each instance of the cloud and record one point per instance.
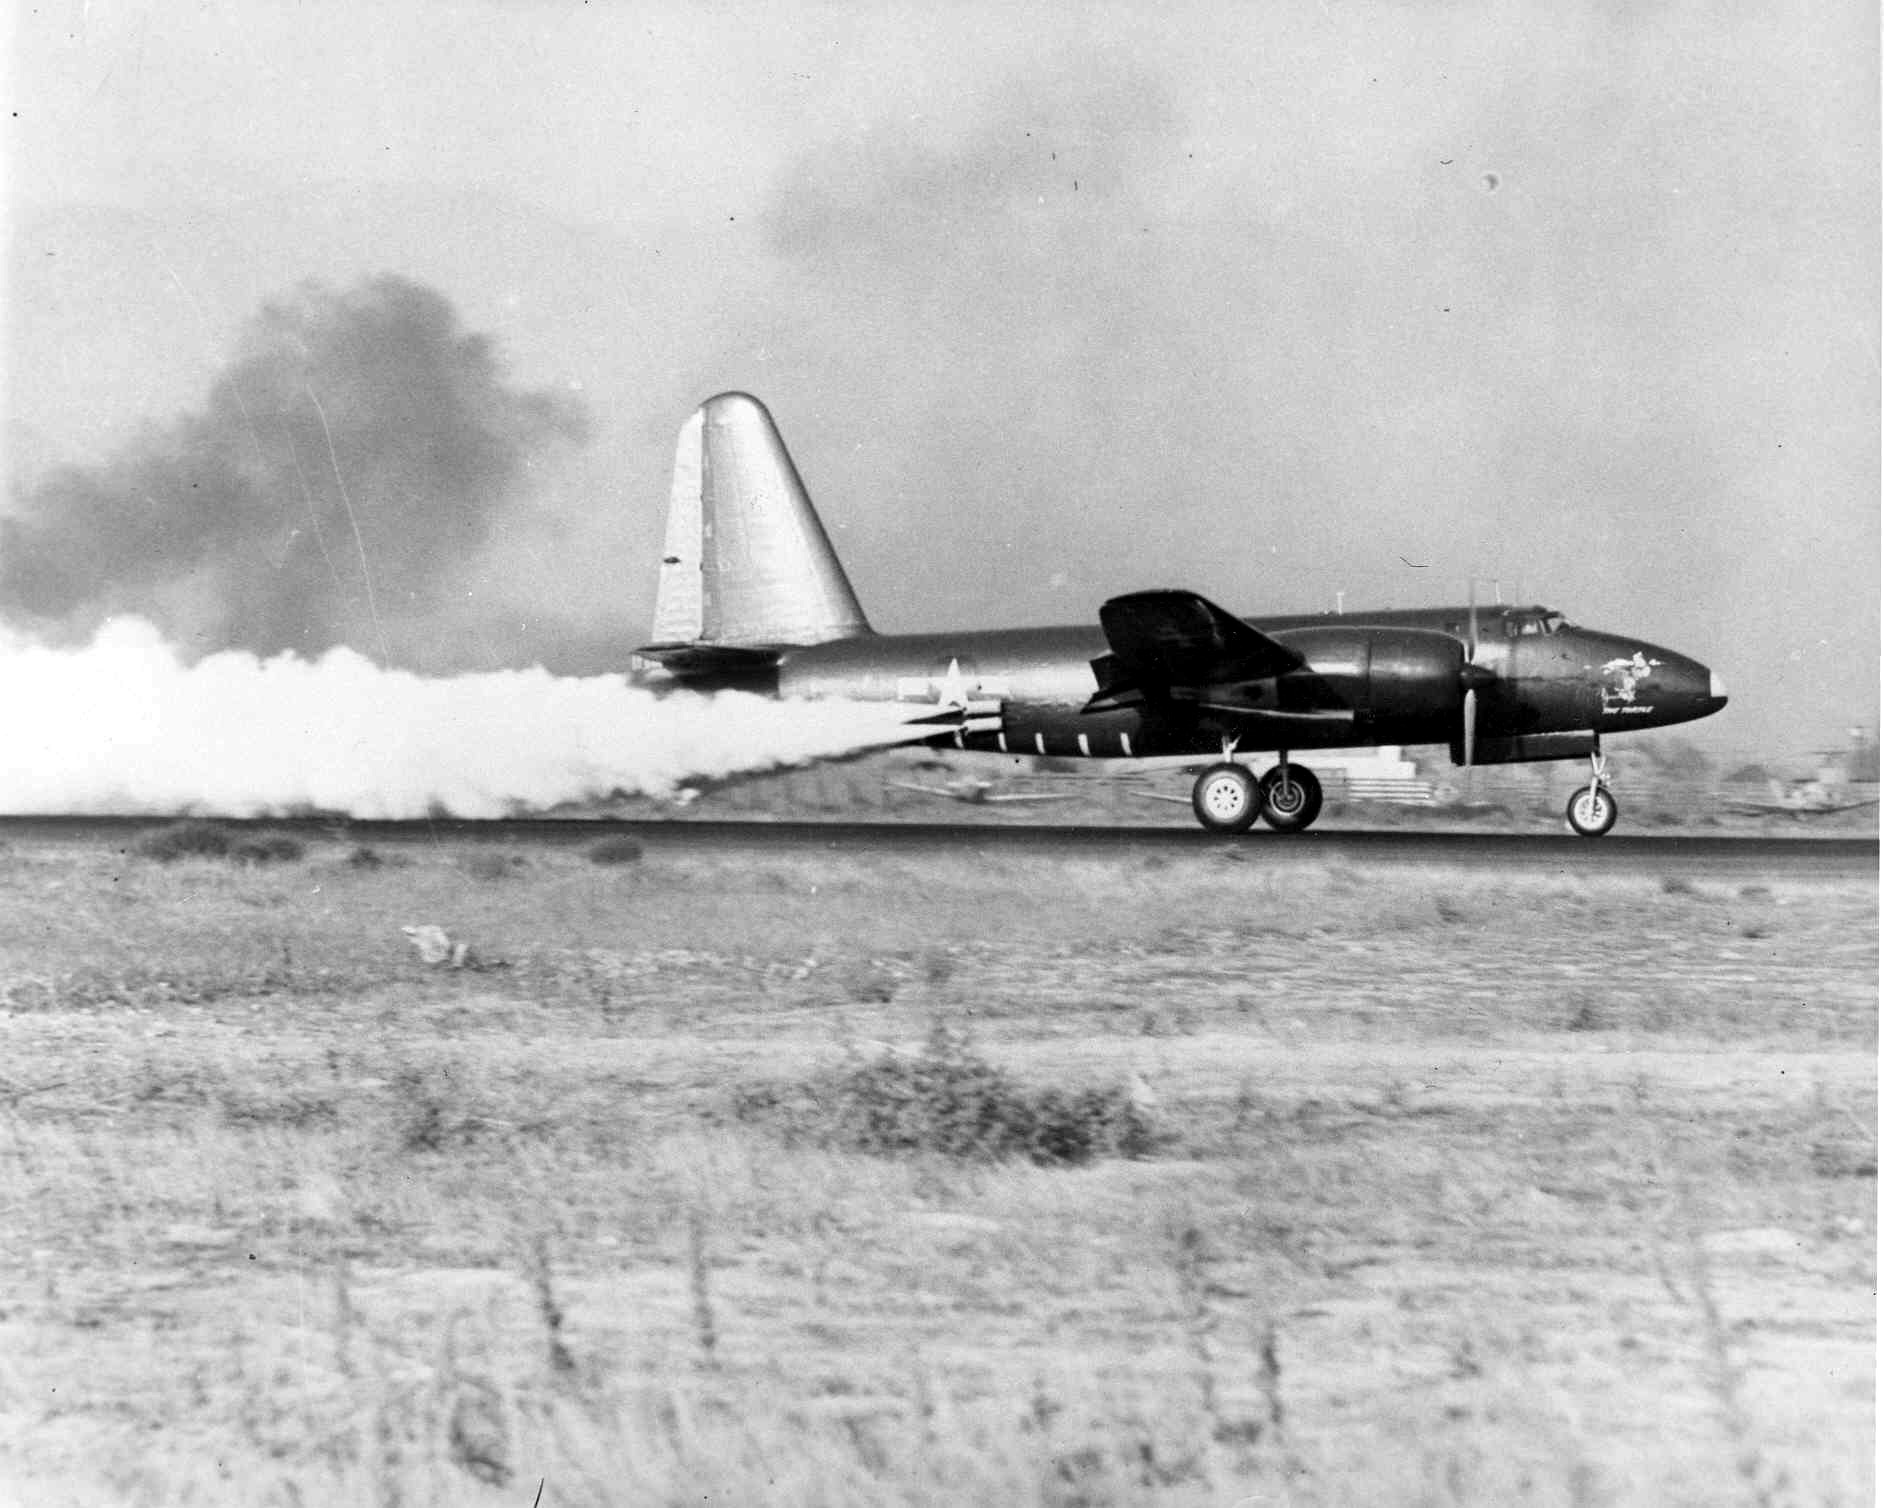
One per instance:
(344, 469)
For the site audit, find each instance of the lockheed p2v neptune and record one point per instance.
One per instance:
(751, 595)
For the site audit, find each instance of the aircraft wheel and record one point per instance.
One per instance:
(1226, 799)
(1591, 812)
(1291, 797)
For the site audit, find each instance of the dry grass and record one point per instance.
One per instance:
(1464, 1190)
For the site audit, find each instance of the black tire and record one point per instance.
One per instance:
(1226, 799)
(1591, 812)
(1290, 808)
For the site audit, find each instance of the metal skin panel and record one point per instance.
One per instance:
(769, 574)
(679, 595)
(1396, 672)
(1532, 748)
(1043, 665)
(1640, 685)
(1401, 682)
(1412, 674)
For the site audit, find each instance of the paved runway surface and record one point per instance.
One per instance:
(1660, 854)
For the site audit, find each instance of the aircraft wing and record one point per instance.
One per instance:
(1162, 639)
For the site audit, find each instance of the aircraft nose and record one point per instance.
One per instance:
(1716, 686)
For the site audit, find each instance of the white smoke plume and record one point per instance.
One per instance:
(123, 725)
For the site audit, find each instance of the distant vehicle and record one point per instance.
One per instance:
(751, 595)
(1813, 797)
(979, 792)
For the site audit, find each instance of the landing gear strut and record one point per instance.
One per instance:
(1291, 796)
(1592, 810)
(1228, 799)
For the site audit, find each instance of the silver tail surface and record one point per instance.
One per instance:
(746, 564)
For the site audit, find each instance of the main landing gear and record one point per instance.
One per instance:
(1593, 811)
(1228, 799)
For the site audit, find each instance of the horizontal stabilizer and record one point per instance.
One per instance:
(1162, 639)
(714, 661)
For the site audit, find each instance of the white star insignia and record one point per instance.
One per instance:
(954, 688)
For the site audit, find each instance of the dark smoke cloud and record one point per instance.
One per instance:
(342, 474)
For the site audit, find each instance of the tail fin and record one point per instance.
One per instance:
(746, 563)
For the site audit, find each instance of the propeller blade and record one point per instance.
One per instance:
(1471, 724)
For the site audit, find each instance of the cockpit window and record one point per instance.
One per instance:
(1542, 621)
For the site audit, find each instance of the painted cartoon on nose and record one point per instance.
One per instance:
(1621, 677)
(1650, 688)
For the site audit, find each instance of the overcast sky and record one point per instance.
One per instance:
(1050, 302)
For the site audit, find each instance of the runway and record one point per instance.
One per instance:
(1642, 854)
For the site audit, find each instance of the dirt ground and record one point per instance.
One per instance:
(1466, 1188)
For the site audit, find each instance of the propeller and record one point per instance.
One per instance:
(1471, 663)
(1472, 676)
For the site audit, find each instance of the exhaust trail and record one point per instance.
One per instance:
(124, 725)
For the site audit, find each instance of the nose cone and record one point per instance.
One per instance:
(1678, 689)
(1684, 689)
(1703, 690)
(1645, 686)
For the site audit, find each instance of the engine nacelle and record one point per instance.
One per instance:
(1389, 676)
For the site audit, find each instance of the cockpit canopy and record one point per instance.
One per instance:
(1514, 622)
(1523, 622)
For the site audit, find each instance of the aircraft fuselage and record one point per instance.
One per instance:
(1386, 677)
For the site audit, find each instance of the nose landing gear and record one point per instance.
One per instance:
(1592, 810)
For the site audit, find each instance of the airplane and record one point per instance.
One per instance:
(1802, 799)
(751, 595)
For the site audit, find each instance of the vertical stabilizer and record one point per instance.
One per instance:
(745, 561)
(679, 597)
